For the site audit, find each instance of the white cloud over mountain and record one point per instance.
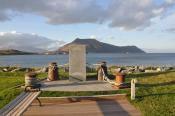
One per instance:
(126, 14)
(27, 42)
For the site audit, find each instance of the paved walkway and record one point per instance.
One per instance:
(103, 107)
(66, 85)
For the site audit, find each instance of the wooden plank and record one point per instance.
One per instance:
(20, 108)
(18, 105)
(10, 112)
(25, 105)
(13, 103)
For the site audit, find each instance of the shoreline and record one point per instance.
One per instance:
(127, 69)
(149, 59)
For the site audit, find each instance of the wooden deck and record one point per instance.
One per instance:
(66, 85)
(103, 106)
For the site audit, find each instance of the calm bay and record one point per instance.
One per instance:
(154, 59)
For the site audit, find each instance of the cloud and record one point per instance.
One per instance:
(170, 30)
(93, 37)
(3, 16)
(167, 24)
(135, 14)
(27, 42)
(58, 11)
(125, 14)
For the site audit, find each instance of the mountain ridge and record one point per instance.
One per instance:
(95, 46)
(14, 52)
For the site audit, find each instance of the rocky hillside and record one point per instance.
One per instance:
(94, 46)
(14, 52)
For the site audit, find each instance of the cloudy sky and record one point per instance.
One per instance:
(148, 24)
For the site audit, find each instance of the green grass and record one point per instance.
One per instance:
(10, 80)
(8, 85)
(62, 74)
(8, 95)
(80, 93)
(155, 94)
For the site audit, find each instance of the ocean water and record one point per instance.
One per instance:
(156, 59)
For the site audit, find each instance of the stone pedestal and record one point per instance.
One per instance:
(77, 63)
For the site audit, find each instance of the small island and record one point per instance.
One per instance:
(95, 46)
(14, 52)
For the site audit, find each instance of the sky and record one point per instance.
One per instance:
(147, 24)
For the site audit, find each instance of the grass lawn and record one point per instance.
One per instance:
(155, 94)
(9, 82)
(8, 85)
(80, 93)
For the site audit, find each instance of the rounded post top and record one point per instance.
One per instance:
(134, 81)
(53, 64)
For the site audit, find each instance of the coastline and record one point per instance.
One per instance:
(148, 59)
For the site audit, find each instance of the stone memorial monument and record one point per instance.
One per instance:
(77, 63)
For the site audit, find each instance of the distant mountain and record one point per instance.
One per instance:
(14, 52)
(28, 42)
(95, 46)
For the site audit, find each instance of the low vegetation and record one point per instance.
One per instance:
(155, 93)
(80, 93)
(10, 83)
